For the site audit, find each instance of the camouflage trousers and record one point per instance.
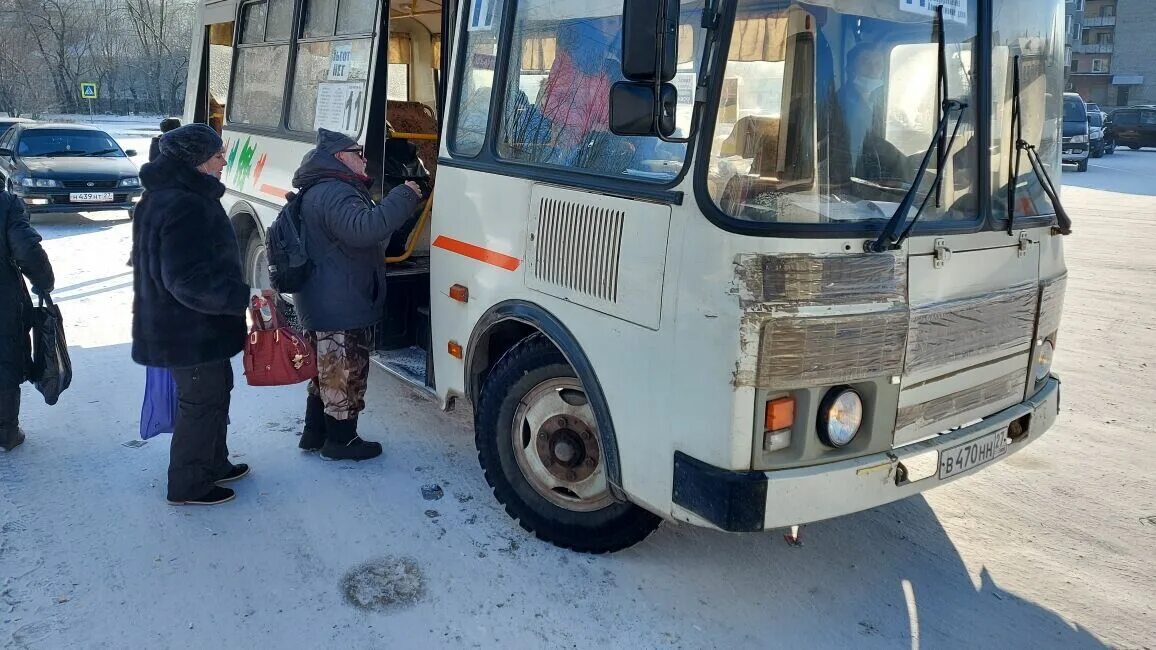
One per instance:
(342, 370)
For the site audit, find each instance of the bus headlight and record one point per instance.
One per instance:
(840, 417)
(1045, 352)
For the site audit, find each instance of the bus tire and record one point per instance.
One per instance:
(538, 444)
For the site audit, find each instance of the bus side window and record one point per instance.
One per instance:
(332, 68)
(258, 82)
(474, 87)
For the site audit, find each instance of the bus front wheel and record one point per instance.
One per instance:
(538, 443)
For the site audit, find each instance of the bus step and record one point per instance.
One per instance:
(407, 364)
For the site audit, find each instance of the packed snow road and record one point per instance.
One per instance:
(1056, 547)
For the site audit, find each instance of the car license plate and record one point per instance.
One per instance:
(91, 197)
(1070, 152)
(970, 455)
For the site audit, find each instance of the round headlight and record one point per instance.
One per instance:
(840, 417)
(1044, 355)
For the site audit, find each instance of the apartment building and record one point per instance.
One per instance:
(1108, 54)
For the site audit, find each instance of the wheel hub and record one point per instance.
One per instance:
(567, 447)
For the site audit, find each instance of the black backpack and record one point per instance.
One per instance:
(289, 263)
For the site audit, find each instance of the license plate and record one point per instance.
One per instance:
(970, 455)
(1070, 152)
(91, 197)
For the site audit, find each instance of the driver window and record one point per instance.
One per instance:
(556, 104)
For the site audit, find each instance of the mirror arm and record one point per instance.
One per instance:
(711, 16)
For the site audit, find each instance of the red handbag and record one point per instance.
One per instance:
(275, 355)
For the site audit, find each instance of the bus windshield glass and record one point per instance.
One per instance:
(828, 107)
(1028, 36)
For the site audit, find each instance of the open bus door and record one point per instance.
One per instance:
(411, 129)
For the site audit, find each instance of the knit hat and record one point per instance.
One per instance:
(332, 142)
(192, 144)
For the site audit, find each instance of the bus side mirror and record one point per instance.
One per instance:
(649, 40)
(645, 104)
(636, 109)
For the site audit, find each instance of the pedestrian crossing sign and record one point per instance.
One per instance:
(88, 90)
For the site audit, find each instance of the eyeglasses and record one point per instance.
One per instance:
(359, 152)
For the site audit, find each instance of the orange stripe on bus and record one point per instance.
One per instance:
(478, 253)
(273, 190)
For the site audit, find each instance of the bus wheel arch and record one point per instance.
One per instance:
(250, 239)
(522, 359)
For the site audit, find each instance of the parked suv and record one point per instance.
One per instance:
(1133, 127)
(1076, 132)
(68, 168)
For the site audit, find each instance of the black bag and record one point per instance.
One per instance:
(51, 366)
(289, 263)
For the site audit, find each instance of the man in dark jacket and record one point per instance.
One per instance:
(188, 305)
(167, 124)
(344, 297)
(21, 256)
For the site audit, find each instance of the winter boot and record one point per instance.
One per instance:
(313, 436)
(343, 443)
(214, 497)
(10, 434)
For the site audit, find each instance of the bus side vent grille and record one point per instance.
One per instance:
(579, 247)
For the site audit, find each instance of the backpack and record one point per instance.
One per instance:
(289, 263)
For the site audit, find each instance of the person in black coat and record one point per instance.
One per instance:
(167, 124)
(343, 299)
(188, 305)
(21, 256)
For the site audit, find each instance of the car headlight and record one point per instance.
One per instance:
(130, 182)
(1079, 139)
(29, 181)
(840, 417)
(1045, 352)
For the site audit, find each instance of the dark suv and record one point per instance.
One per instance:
(1133, 127)
(68, 168)
(1076, 132)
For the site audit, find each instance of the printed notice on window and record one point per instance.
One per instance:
(339, 107)
(341, 62)
(685, 83)
(953, 10)
(482, 15)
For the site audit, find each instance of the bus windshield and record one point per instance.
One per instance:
(828, 106)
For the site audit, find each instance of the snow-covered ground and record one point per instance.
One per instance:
(1055, 548)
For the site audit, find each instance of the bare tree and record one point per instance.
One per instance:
(63, 35)
(162, 31)
(136, 50)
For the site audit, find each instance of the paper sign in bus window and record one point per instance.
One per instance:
(953, 10)
(482, 15)
(341, 62)
(339, 107)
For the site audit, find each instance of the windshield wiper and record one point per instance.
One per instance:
(102, 152)
(1063, 221)
(50, 154)
(887, 239)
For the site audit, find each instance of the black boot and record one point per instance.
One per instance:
(313, 436)
(10, 434)
(343, 443)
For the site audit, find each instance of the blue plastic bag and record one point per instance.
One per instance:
(158, 414)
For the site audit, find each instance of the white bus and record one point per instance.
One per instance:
(743, 264)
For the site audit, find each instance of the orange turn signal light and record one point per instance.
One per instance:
(780, 414)
(455, 349)
(459, 293)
